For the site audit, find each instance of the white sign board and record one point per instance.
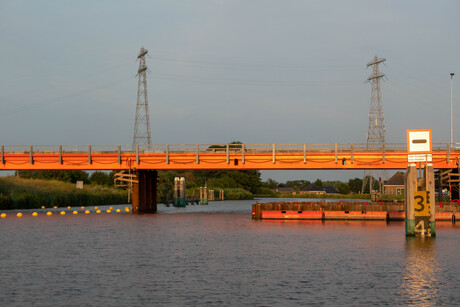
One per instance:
(419, 141)
(79, 185)
(419, 158)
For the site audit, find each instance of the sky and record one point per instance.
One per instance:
(255, 71)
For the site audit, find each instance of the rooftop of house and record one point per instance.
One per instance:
(316, 188)
(312, 188)
(285, 189)
(396, 179)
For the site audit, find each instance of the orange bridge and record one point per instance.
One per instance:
(221, 157)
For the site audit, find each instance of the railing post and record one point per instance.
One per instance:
(119, 154)
(2, 149)
(89, 154)
(274, 153)
(335, 150)
(383, 153)
(197, 154)
(242, 155)
(228, 156)
(304, 153)
(351, 152)
(448, 153)
(167, 154)
(31, 149)
(60, 154)
(137, 155)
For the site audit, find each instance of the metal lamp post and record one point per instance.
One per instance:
(451, 122)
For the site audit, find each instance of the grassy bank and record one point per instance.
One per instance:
(21, 193)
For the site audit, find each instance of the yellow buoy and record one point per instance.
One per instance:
(34, 213)
(82, 207)
(55, 207)
(19, 214)
(75, 212)
(95, 208)
(98, 211)
(111, 208)
(62, 212)
(43, 207)
(49, 213)
(3, 215)
(68, 207)
(87, 212)
(126, 209)
(118, 210)
(108, 210)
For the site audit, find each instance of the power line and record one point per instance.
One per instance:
(60, 99)
(253, 82)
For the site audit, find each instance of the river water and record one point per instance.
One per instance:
(217, 255)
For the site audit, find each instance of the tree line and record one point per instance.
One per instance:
(97, 177)
(351, 186)
(247, 180)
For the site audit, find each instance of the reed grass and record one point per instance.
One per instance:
(23, 193)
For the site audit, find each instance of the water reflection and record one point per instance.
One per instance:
(421, 274)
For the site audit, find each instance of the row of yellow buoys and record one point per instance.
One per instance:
(19, 214)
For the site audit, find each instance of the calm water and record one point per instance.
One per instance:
(217, 255)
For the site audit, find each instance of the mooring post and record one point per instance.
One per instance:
(430, 187)
(410, 183)
(258, 212)
(135, 197)
(420, 204)
(182, 197)
(176, 191)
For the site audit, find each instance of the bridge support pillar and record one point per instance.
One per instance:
(144, 193)
(419, 202)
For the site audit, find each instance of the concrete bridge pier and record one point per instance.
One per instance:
(144, 193)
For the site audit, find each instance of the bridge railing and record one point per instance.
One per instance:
(218, 148)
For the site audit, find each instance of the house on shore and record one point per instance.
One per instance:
(394, 185)
(331, 190)
(316, 189)
(285, 190)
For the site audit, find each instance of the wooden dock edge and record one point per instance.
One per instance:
(355, 211)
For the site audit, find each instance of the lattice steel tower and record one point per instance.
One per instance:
(142, 124)
(376, 130)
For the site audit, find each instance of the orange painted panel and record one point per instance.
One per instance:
(355, 215)
(443, 216)
(218, 161)
(292, 215)
(397, 215)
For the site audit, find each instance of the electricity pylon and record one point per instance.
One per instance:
(376, 130)
(142, 124)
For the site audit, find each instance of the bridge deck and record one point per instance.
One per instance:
(219, 157)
